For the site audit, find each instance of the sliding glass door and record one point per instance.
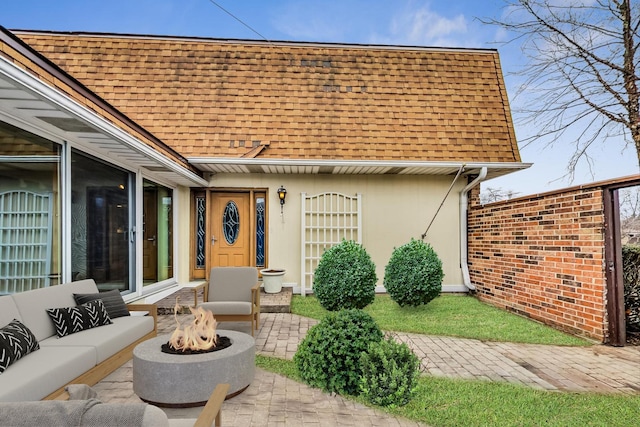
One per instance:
(157, 233)
(102, 237)
(100, 228)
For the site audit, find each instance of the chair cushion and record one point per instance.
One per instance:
(90, 412)
(227, 307)
(232, 283)
(69, 320)
(16, 341)
(113, 302)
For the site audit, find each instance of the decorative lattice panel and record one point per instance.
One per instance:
(327, 218)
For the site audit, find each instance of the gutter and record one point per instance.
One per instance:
(464, 240)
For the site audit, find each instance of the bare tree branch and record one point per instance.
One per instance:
(490, 195)
(580, 85)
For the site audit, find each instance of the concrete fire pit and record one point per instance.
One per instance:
(173, 380)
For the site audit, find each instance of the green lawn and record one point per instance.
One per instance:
(444, 402)
(451, 315)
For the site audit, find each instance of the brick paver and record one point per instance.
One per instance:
(272, 400)
(594, 368)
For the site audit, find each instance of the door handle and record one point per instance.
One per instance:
(213, 240)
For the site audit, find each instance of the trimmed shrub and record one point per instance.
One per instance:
(345, 277)
(329, 356)
(389, 373)
(414, 274)
(631, 275)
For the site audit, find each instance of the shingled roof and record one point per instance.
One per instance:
(64, 113)
(284, 100)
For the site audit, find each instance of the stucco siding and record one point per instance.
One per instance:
(183, 231)
(394, 210)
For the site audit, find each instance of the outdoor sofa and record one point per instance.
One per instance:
(41, 369)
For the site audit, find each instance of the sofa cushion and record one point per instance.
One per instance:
(227, 307)
(113, 302)
(69, 320)
(32, 305)
(16, 341)
(106, 340)
(44, 371)
(8, 310)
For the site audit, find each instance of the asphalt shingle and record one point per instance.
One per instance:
(219, 98)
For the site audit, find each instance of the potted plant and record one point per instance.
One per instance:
(272, 279)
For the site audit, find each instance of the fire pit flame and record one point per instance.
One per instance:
(200, 335)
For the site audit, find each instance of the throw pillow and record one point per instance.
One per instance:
(70, 320)
(16, 341)
(112, 300)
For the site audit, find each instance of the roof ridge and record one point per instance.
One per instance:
(289, 43)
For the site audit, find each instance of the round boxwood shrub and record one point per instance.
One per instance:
(345, 277)
(414, 274)
(329, 356)
(389, 373)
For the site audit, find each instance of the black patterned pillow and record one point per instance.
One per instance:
(70, 320)
(113, 302)
(16, 341)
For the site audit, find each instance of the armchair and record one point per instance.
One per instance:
(233, 294)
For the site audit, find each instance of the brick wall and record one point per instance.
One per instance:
(543, 257)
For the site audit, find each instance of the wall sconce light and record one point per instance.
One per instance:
(282, 195)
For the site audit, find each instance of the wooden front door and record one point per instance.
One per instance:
(231, 228)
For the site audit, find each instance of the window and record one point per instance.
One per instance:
(231, 222)
(157, 233)
(260, 231)
(201, 230)
(30, 254)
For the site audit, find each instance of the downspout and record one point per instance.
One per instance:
(464, 241)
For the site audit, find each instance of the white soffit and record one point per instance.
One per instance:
(279, 166)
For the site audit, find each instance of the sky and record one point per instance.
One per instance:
(442, 23)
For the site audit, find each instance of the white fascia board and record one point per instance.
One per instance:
(44, 91)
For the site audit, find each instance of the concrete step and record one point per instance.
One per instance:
(276, 303)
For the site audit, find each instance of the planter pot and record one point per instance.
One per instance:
(272, 279)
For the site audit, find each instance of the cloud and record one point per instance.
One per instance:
(425, 27)
(417, 23)
(313, 21)
(401, 22)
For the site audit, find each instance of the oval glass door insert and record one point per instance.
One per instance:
(231, 222)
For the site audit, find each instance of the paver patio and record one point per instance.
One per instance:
(273, 400)
(594, 368)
